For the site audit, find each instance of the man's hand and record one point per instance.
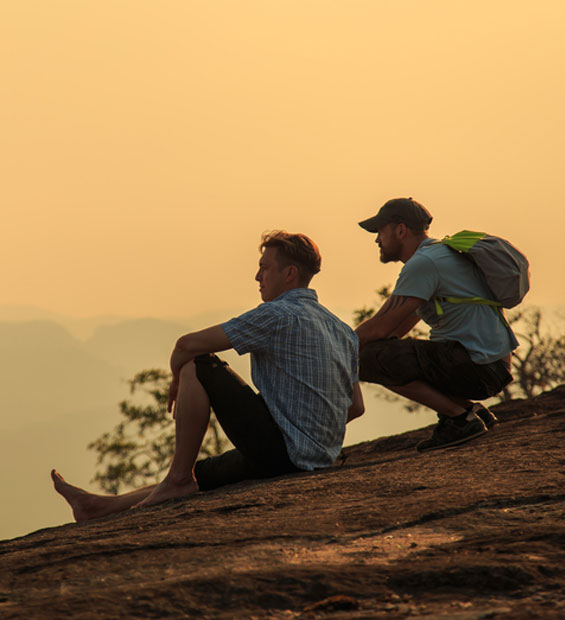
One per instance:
(357, 407)
(210, 340)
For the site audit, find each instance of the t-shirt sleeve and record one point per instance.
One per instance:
(418, 278)
(253, 330)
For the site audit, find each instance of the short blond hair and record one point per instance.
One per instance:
(294, 249)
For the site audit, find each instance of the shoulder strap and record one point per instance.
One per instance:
(495, 305)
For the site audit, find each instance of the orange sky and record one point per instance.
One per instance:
(146, 145)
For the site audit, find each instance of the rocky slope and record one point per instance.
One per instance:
(476, 531)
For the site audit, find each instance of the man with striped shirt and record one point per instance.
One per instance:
(304, 364)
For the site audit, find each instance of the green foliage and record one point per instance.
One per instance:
(537, 365)
(139, 449)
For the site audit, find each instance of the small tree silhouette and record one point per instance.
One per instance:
(539, 364)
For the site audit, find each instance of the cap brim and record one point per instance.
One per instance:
(373, 224)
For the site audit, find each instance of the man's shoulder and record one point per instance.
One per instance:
(430, 247)
(265, 310)
(310, 301)
(254, 329)
(424, 258)
(302, 310)
(433, 253)
(434, 248)
(331, 316)
(290, 310)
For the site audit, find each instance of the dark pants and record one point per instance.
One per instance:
(445, 365)
(260, 450)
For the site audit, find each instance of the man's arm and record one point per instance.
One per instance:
(357, 407)
(396, 317)
(209, 340)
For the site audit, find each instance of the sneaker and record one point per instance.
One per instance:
(447, 433)
(486, 415)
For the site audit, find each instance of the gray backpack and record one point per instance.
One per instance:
(504, 268)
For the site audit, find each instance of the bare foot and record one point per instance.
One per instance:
(169, 490)
(84, 505)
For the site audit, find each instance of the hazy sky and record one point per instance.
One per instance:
(147, 144)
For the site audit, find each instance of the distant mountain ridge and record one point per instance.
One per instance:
(24, 312)
(34, 334)
(84, 328)
(81, 328)
(59, 393)
(48, 372)
(135, 344)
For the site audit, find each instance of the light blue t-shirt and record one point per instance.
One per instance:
(435, 270)
(304, 364)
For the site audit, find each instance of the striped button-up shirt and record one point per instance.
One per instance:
(304, 364)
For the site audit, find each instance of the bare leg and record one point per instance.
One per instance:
(88, 506)
(192, 415)
(425, 394)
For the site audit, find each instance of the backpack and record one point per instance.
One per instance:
(504, 268)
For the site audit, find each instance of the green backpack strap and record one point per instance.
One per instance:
(495, 305)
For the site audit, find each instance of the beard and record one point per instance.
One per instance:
(391, 254)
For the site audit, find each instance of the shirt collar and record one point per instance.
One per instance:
(298, 293)
(427, 241)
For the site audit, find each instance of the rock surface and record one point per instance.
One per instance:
(476, 531)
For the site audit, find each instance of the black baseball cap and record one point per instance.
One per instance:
(405, 210)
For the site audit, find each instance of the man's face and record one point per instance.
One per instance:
(389, 243)
(272, 280)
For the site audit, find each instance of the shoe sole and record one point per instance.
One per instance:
(453, 443)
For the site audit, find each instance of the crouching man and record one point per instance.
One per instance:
(304, 364)
(468, 356)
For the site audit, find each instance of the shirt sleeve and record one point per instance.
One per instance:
(355, 372)
(418, 278)
(254, 330)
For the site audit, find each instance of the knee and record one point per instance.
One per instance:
(385, 362)
(369, 361)
(188, 372)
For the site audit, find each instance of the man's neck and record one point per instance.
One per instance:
(411, 244)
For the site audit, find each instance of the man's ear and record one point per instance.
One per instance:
(292, 273)
(401, 230)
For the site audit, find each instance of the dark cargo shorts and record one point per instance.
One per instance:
(445, 365)
(260, 450)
